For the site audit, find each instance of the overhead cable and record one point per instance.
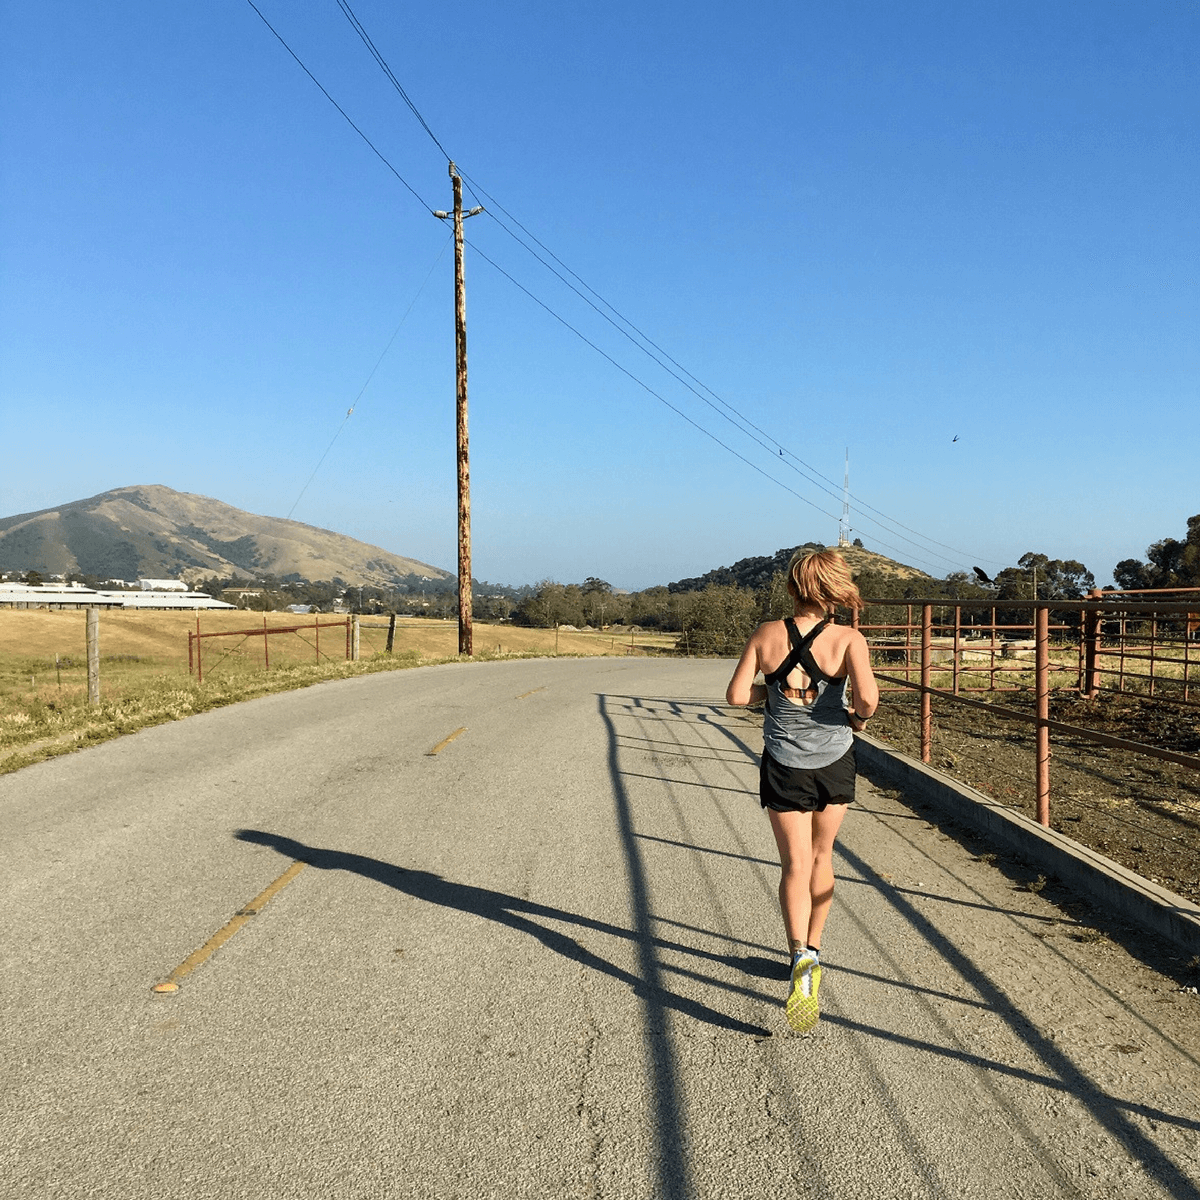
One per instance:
(647, 345)
(375, 149)
(738, 419)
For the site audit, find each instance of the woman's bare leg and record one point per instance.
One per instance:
(825, 826)
(793, 836)
(805, 842)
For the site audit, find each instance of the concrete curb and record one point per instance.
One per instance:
(1117, 889)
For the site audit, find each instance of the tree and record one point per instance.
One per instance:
(775, 601)
(1173, 564)
(657, 608)
(33, 578)
(1053, 579)
(547, 607)
(1131, 574)
(719, 620)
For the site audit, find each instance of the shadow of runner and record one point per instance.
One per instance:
(502, 908)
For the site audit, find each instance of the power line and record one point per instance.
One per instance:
(769, 442)
(375, 149)
(640, 382)
(798, 464)
(663, 400)
(738, 419)
(370, 45)
(547, 308)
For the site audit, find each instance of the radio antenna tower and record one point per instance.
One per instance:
(844, 523)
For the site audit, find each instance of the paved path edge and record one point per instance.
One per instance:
(1121, 891)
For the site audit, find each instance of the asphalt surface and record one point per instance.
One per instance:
(545, 961)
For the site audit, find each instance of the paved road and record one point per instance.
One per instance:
(544, 962)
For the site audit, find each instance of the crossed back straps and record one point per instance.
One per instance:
(801, 653)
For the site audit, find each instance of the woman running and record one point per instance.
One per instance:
(806, 779)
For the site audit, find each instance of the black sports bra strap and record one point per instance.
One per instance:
(801, 653)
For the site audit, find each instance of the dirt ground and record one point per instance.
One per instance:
(1142, 812)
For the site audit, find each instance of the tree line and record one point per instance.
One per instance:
(1170, 563)
(715, 613)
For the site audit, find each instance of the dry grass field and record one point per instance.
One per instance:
(144, 676)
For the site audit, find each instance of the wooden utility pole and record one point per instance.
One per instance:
(465, 634)
(92, 629)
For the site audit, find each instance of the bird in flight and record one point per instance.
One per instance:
(954, 438)
(982, 577)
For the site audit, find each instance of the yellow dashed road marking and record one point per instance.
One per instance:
(447, 740)
(218, 939)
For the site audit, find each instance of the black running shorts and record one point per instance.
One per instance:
(799, 789)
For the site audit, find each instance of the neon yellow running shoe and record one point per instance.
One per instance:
(802, 1008)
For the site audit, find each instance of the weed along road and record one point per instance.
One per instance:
(509, 930)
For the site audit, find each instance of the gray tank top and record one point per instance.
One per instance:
(809, 735)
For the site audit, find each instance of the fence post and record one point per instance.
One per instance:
(391, 632)
(266, 652)
(1153, 645)
(317, 629)
(1041, 626)
(957, 635)
(908, 662)
(354, 642)
(191, 665)
(926, 698)
(93, 654)
(347, 638)
(1089, 684)
(199, 655)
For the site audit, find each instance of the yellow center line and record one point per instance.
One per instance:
(446, 741)
(531, 691)
(218, 939)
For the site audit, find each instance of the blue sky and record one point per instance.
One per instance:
(863, 225)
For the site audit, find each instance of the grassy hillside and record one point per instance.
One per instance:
(154, 532)
(758, 572)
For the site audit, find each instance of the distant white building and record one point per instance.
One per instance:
(162, 585)
(53, 595)
(19, 595)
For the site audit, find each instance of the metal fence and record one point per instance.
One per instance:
(952, 651)
(197, 638)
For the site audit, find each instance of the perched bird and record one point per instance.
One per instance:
(982, 577)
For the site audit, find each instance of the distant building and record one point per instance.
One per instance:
(20, 595)
(162, 585)
(53, 595)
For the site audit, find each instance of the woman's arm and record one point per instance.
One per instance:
(742, 689)
(862, 680)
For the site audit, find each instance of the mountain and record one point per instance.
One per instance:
(153, 532)
(757, 572)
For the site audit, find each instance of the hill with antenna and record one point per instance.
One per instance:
(758, 572)
(150, 531)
